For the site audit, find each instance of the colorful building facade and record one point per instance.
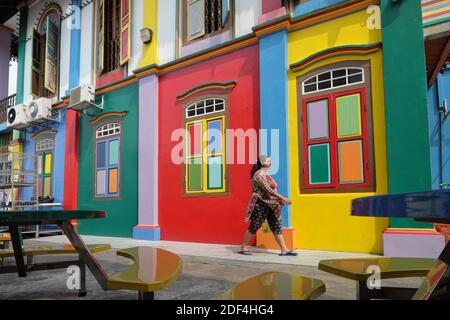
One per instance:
(318, 85)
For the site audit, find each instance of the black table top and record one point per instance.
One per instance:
(47, 216)
(425, 206)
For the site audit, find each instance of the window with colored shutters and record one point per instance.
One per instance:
(205, 167)
(336, 133)
(204, 17)
(107, 160)
(113, 34)
(45, 54)
(44, 150)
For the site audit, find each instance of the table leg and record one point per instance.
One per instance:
(146, 295)
(16, 240)
(436, 284)
(89, 260)
(82, 292)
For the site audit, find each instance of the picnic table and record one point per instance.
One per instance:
(429, 206)
(153, 268)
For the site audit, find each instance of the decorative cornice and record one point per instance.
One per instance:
(200, 56)
(106, 115)
(40, 134)
(207, 86)
(335, 52)
(330, 13)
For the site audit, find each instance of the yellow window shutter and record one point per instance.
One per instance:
(100, 36)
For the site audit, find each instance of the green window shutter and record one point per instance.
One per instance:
(319, 164)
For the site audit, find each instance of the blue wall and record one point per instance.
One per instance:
(274, 104)
(59, 155)
(314, 5)
(439, 130)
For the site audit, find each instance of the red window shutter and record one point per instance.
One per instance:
(125, 31)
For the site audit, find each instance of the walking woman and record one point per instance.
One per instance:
(265, 203)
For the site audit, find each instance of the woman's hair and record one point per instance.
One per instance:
(257, 165)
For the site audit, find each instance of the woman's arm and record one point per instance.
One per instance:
(262, 182)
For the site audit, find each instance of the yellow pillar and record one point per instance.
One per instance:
(149, 50)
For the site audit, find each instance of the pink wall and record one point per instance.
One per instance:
(211, 219)
(270, 5)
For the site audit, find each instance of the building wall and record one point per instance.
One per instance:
(34, 13)
(58, 154)
(309, 6)
(167, 30)
(122, 213)
(439, 131)
(215, 218)
(246, 17)
(87, 36)
(323, 221)
(5, 52)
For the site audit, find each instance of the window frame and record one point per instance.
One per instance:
(367, 135)
(43, 153)
(183, 24)
(204, 119)
(38, 32)
(107, 139)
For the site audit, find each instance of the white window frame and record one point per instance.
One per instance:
(332, 79)
(195, 107)
(45, 144)
(104, 130)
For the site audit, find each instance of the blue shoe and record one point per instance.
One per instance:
(290, 253)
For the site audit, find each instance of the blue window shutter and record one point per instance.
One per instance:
(225, 11)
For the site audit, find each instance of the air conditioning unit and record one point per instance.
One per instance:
(39, 110)
(17, 117)
(82, 98)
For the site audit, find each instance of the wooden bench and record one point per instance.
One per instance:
(5, 239)
(276, 286)
(360, 270)
(153, 269)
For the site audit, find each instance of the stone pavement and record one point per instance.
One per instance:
(208, 270)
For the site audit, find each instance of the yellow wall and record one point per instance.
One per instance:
(323, 221)
(149, 51)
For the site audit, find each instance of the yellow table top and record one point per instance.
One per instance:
(275, 286)
(153, 269)
(360, 269)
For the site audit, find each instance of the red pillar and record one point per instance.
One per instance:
(71, 161)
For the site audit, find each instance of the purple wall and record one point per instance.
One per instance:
(148, 228)
(5, 51)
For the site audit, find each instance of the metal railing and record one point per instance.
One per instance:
(4, 105)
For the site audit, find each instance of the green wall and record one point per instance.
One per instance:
(122, 214)
(408, 150)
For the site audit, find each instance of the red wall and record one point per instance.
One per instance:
(208, 219)
(270, 5)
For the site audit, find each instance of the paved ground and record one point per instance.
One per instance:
(208, 270)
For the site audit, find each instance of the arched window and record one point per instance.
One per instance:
(331, 79)
(205, 169)
(336, 139)
(108, 160)
(45, 58)
(44, 150)
(204, 107)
